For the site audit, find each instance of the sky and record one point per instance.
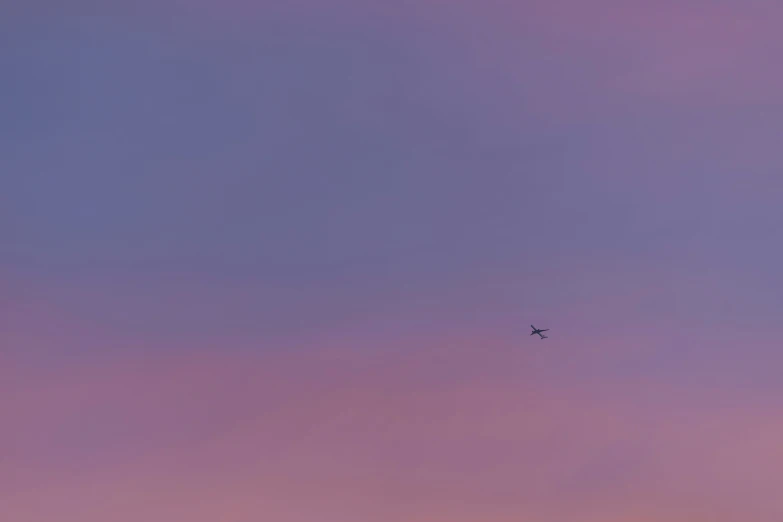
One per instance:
(278, 261)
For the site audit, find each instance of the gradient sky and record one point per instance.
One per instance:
(277, 261)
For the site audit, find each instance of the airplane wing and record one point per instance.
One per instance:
(544, 330)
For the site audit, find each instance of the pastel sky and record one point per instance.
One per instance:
(278, 261)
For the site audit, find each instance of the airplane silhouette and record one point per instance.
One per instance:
(537, 331)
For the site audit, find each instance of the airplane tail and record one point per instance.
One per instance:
(544, 337)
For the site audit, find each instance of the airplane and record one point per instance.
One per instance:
(537, 331)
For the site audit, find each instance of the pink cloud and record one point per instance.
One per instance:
(377, 436)
(705, 52)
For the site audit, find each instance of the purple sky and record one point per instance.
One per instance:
(279, 261)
